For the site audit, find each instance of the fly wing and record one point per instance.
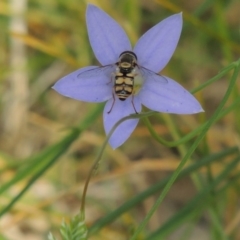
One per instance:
(96, 71)
(146, 73)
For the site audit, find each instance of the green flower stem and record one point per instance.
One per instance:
(189, 153)
(213, 210)
(182, 148)
(192, 134)
(183, 151)
(99, 156)
(158, 186)
(215, 78)
(174, 132)
(195, 178)
(228, 54)
(196, 201)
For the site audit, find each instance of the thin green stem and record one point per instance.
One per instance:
(99, 156)
(189, 153)
(159, 185)
(192, 134)
(195, 201)
(215, 78)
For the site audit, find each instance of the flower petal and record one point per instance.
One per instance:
(170, 97)
(87, 87)
(155, 48)
(107, 38)
(120, 109)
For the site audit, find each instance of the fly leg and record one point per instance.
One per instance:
(133, 104)
(112, 103)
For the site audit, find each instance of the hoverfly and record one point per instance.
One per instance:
(124, 73)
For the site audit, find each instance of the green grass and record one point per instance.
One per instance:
(175, 176)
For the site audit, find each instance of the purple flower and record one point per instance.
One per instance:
(127, 89)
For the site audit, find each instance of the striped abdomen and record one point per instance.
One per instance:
(124, 84)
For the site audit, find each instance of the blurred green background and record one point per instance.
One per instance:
(43, 168)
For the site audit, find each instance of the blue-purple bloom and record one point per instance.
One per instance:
(153, 50)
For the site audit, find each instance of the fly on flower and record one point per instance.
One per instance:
(127, 78)
(124, 76)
